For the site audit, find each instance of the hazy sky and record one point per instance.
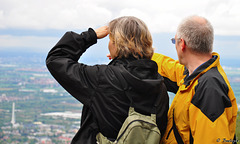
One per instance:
(38, 24)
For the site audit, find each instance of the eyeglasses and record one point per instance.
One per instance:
(174, 40)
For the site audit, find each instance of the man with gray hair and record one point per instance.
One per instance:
(204, 109)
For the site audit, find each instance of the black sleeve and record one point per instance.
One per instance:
(62, 62)
(171, 86)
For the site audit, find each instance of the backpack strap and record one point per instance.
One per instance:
(122, 73)
(131, 111)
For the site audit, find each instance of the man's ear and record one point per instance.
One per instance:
(183, 44)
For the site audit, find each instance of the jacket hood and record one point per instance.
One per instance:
(141, 80)
(141, 74)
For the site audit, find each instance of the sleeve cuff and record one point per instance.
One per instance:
(93, 35)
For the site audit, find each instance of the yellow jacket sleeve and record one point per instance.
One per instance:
(169, 68)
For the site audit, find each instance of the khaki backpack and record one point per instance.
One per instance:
(136, 129)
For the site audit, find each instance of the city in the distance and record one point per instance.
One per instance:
(34, 108)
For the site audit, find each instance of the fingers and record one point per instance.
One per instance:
(102, 32)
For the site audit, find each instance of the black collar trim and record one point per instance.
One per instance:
(197, 71)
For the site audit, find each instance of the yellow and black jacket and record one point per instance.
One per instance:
(204, 109)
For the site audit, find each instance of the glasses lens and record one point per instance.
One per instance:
(173, 40)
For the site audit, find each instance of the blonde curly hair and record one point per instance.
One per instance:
(131, 36)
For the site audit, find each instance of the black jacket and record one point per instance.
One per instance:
(104, 90)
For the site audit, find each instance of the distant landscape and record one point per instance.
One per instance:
(44, 111)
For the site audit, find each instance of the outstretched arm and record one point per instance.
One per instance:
(171, 70)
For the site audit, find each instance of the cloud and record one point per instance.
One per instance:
(52, 14)
(37, 25)
(160, 16)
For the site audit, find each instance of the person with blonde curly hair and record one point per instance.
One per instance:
(135, 40)
(107, 91)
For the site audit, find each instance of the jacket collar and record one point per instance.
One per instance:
(213, 62)
(140, 68)
(122, 61)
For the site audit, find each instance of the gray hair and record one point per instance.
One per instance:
(197, 33)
